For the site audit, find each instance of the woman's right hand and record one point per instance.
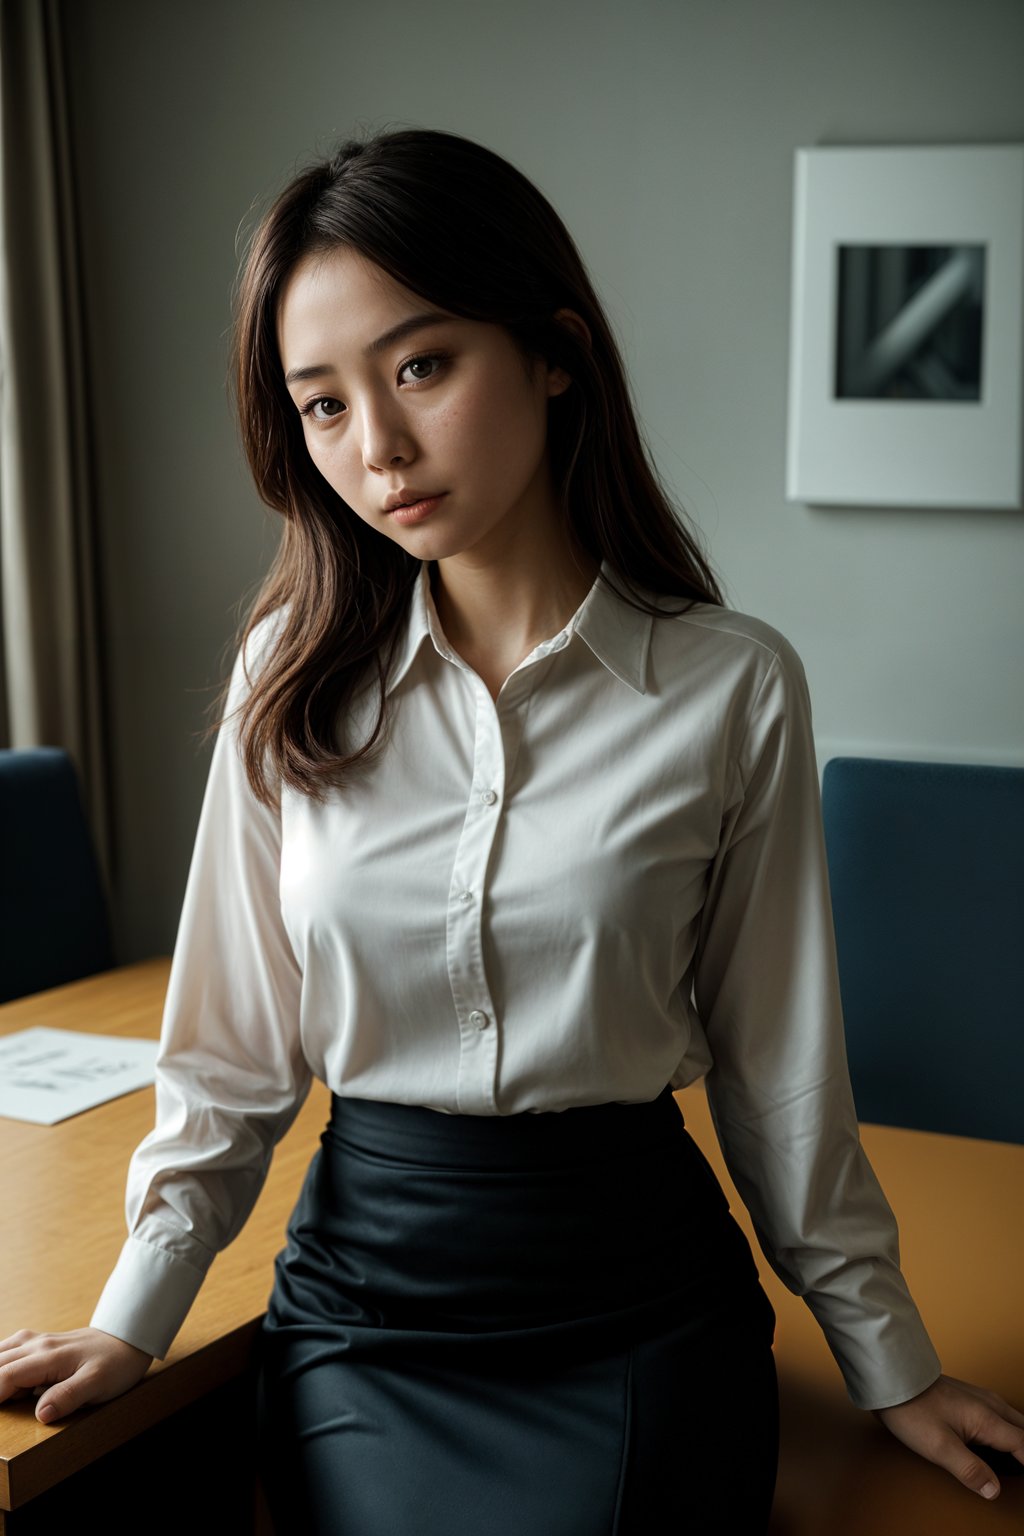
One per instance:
(67, 1370)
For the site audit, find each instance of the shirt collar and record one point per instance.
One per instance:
(417, 628)
(618, 634)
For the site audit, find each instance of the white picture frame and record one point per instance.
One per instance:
(907, 452)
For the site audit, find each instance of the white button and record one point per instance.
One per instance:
(488, 797)
(465, 897)
(479, 1019)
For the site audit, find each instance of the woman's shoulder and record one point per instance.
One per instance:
(736, 640)
(730, 624)
(740, 674)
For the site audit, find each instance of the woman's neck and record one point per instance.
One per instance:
(495, 608)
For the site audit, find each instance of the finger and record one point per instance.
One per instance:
(10, 1388)
(22, 1346)
(64, 1397)
(1008, 1412)
(950, 1452)
(20, 1375)
(15, 1340)
(997, 1434)
(1000, 1436)
(1003, 1463)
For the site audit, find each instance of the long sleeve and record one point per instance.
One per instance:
(766, 988)
(231, 1076)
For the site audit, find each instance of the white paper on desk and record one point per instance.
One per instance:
(48, 1074)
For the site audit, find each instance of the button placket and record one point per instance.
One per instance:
(474, 1006)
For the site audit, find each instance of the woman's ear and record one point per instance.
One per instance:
(574, 322)
(558, 379)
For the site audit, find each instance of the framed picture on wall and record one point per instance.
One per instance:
(906, 382)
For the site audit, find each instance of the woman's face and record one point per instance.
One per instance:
(404, 403)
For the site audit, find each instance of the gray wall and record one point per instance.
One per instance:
(664, 132)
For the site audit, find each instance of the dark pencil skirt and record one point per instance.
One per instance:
(526, 1325)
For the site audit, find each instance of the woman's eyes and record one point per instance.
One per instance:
(419, 370)
(433, 362)
(318, 409)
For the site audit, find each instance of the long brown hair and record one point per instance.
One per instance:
(488, 246)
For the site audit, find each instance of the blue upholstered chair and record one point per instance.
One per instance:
(53, 916)
(926, 862)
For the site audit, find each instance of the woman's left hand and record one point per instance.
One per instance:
(944, 1421)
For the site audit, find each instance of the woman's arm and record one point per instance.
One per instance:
(231, 1077)
(766, 987)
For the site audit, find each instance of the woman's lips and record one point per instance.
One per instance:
(416, 511)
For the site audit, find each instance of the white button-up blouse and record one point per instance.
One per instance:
(610, 879)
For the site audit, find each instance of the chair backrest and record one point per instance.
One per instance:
(54, 925)
(926, 863)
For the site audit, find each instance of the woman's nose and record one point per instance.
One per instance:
(387, 438)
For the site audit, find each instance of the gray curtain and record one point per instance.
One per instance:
(50, 662)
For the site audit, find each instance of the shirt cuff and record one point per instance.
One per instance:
(884, 1360)
(147, 1297)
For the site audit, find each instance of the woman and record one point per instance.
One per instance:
(511, 828)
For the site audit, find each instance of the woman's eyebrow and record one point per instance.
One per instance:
(406, 328)
(314, 371)
(396, 333)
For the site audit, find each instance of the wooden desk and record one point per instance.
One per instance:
(959, 1204)
(64, 1227)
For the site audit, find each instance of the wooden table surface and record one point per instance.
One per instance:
(959, 1204)
(960, 1207)
(64, 1224)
